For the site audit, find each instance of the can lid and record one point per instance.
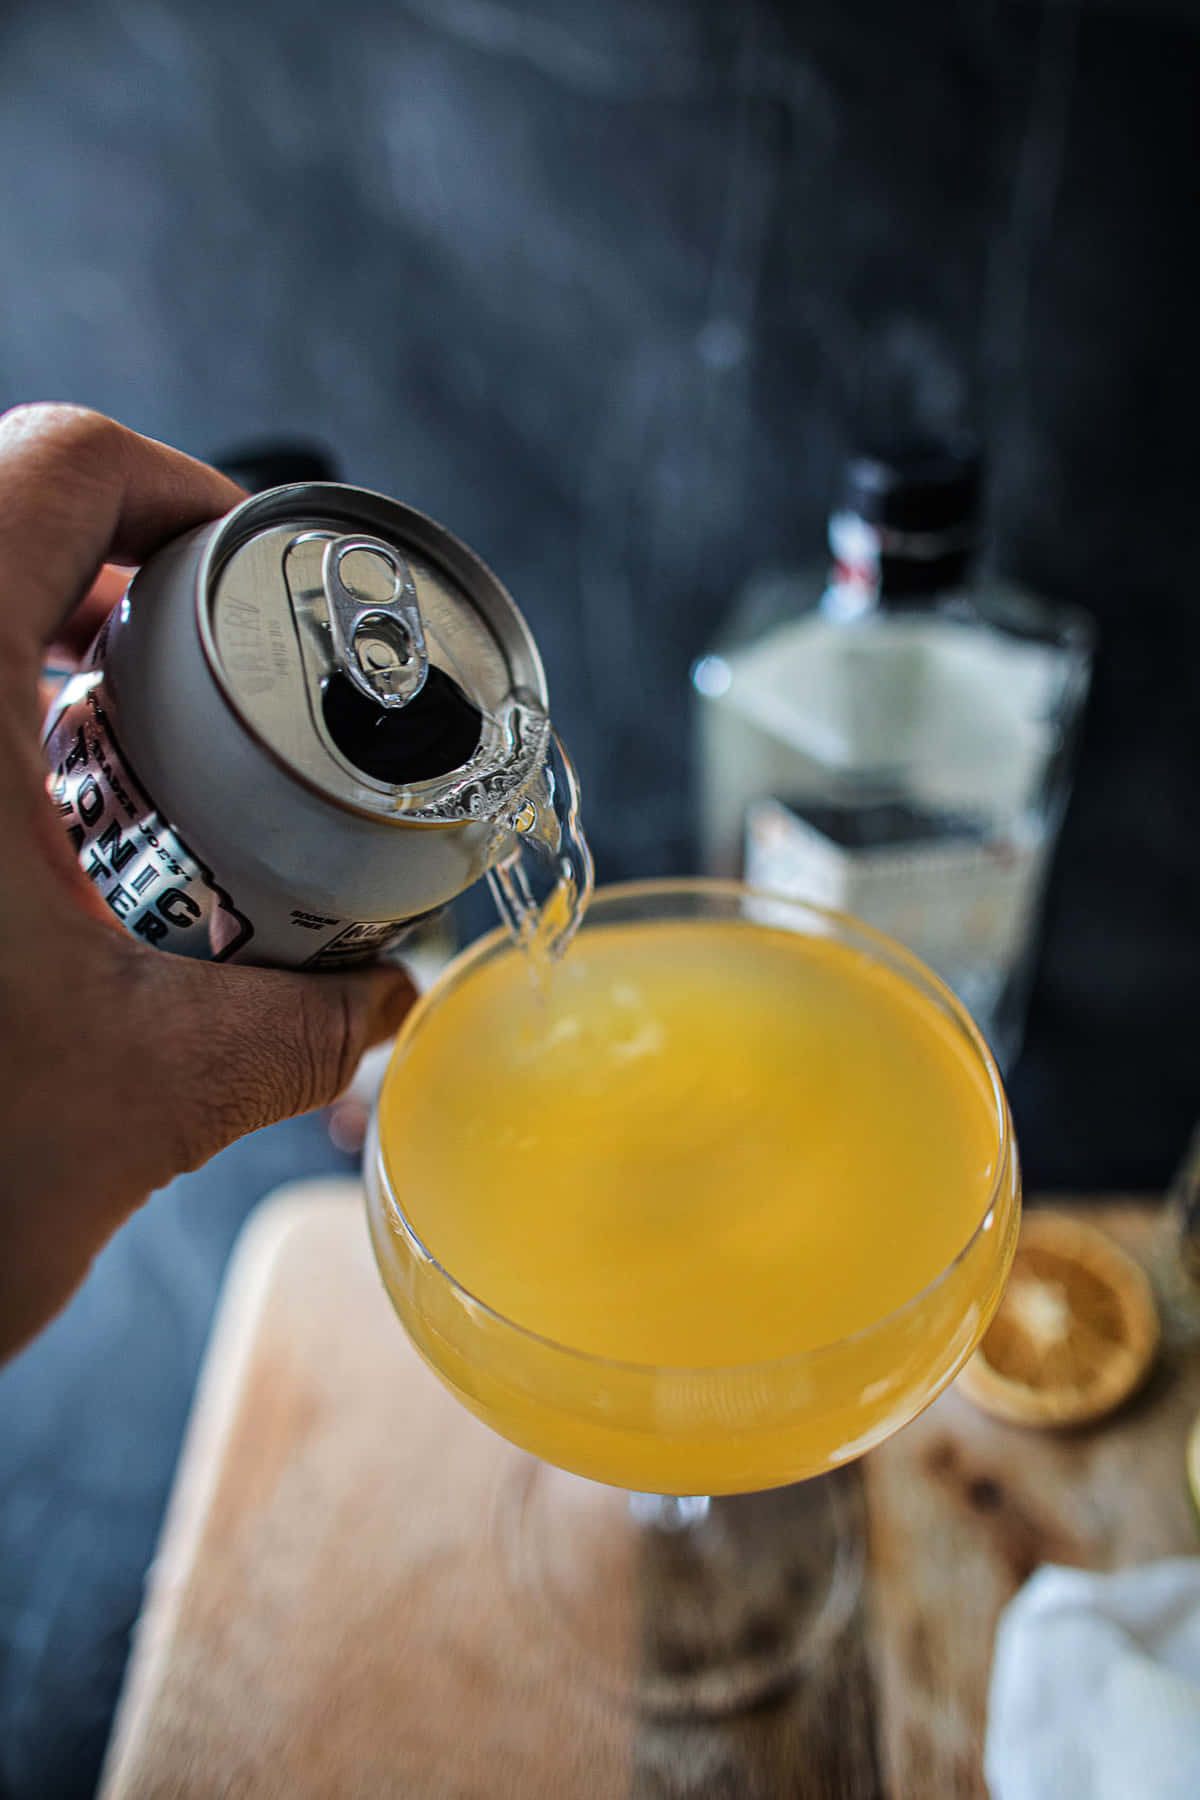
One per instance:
(373, 655)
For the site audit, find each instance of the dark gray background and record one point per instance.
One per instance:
(609, 289)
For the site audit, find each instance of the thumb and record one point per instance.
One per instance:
(251, 1046)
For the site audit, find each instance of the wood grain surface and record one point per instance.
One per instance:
(331, 1612)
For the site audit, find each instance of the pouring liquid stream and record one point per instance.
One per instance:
(542, 887)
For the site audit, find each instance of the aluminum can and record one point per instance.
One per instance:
(305, 727)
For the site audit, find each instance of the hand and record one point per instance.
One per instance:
(120, 1067)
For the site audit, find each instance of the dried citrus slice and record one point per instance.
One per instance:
(1075, 1333)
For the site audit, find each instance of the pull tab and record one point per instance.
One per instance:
(374, 620)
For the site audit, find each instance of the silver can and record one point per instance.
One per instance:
(305, 727)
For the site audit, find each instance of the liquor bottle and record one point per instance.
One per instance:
(893, 736)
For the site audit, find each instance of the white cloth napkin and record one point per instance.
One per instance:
(1095, 1691)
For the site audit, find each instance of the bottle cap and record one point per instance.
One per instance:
(922, 489)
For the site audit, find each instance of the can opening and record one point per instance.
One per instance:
(436, 732)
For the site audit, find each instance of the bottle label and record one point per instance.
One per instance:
(965, 905)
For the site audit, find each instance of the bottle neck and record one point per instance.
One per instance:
(875, 566)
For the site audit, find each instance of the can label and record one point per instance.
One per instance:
(152, 881)
(360, 941)
(146, 874)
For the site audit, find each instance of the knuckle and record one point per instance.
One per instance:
(201, 1115)
(256, 1074)
(71, 441)
(174, 1102)
(35, 418)
(75, 428)
(182, 1110)
(327, 1044)
(222, 1071)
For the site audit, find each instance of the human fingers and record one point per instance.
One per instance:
(134, 1067)
(74, 640)
(77, 490)
(236, 1048)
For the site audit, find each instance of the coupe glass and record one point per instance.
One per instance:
(727, 1558)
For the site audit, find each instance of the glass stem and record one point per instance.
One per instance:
(669, 1512)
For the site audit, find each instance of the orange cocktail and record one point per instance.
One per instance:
(725, 1199)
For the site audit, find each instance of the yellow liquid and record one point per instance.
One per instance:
(700, 1160)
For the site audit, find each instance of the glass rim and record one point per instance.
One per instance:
(886, 950)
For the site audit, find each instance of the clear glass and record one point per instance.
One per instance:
(1175, 1265)
(905, 761)
(766, 1577)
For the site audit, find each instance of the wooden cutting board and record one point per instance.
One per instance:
(329, 1613)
